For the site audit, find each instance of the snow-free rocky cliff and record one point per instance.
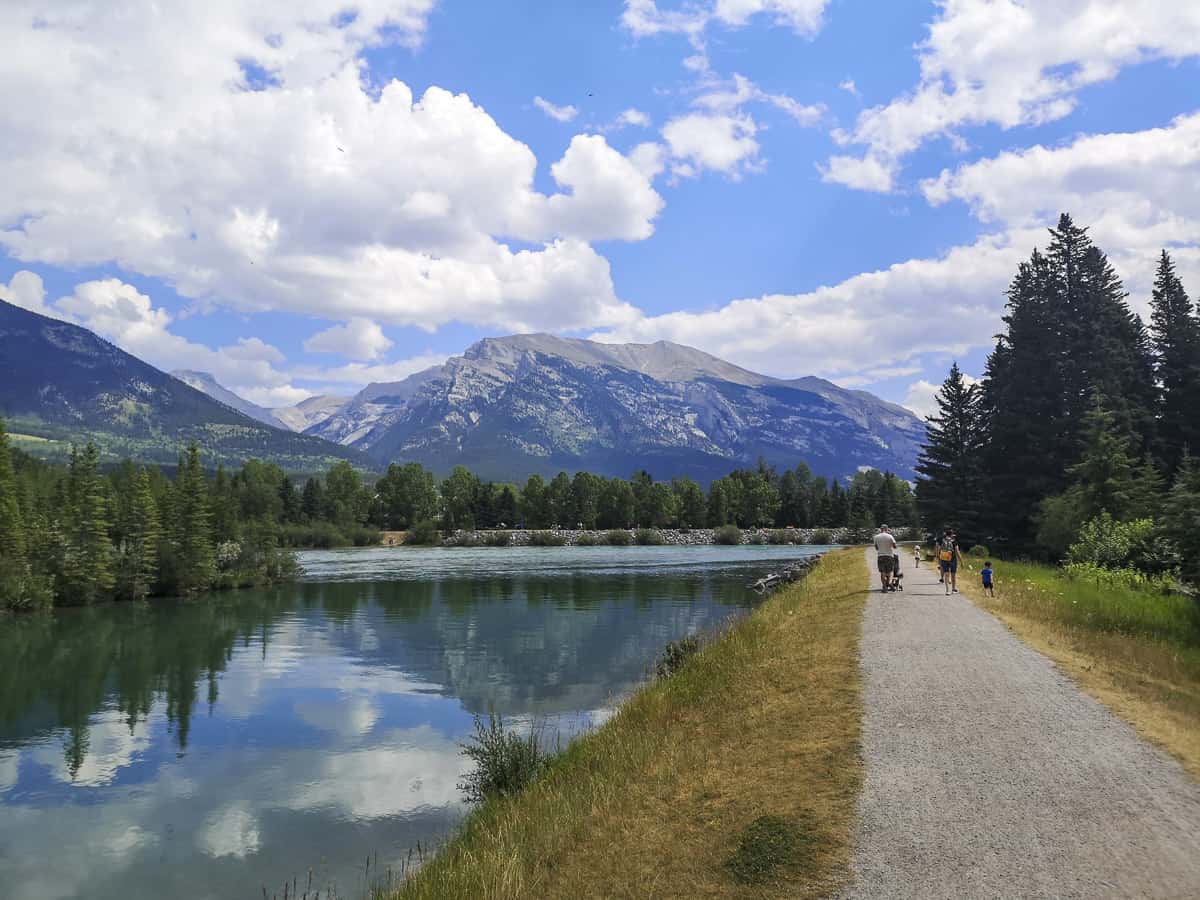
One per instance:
(510, 407)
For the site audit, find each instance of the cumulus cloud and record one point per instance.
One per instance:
(307, 188)
(1014, 62)
(558, 113)
(359, 339)
(645, 17)
(921, 396)
(721, 143)
(26, 290)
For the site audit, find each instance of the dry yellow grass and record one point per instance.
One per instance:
(763, 721)
(1151, 683)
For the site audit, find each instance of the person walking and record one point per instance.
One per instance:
(948, 560)
(885, 547)
(917, 556)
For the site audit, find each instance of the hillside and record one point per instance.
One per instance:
(510, 407)
(60, 383)
(205, 383)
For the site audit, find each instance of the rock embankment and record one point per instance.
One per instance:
(675, 537)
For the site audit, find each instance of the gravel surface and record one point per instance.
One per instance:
(990, 774)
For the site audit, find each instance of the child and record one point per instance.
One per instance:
(987, 578)
(917, 556)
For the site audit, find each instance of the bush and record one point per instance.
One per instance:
(1105, 542)
(727, 534)
(675, 654)
(618, 537)
(586, 539)
(423, 534)
(497, 538)
(546, 539)
(757, 537)
(467, 539)
(978, 552)
(362, 535)
(1130, 578)
(648, 537)
(781, 536)
(822, 537)
(505, 762)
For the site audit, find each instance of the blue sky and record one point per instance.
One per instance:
(304, 197)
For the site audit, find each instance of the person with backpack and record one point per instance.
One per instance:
(948, 559)
(885, 547)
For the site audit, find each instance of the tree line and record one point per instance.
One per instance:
(409, 494)
(1077, 442)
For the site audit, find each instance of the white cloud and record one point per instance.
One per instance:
(729, 97)
(921, 397)
(321, 193)
(558, 113)
(26, 290)
(849, 87)
(721, 143)
(866, 174)
(1016, 62)
(644, 17)
(359, 339)
(360, 374)
(1135, 191)
(631, 118)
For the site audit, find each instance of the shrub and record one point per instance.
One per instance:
(781, 536)
(546, 539)
(1105, 542)
(1130, 578)
(467, 539)
(648, 537)
(978, 552)
(727, 534)
(362, 535)
(757, 537)
(675, 654)
(822, 537)
(497, 538)
(769, 843)
(423, 534)
(618, 537)
(505, 762)
(586, 539)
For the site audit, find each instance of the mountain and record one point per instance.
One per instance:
(514, 406)
(310, 412)
(203, 381)
(60, 383)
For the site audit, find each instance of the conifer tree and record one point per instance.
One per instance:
(12, 531)
(1176, 334)
(1105, 477)
(87, 570)
(1181, 517)
(949, 473)
(139, 555)
(190, 528)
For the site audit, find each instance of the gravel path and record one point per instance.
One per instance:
(990, 774)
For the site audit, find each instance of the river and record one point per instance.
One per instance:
(204, 749)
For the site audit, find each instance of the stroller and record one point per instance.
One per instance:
(897, 582)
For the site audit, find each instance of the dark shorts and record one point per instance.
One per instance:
(949, 565)
(885, 565)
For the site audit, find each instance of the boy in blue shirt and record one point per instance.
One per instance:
(987, 578)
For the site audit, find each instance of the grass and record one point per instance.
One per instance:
(1138, 652)
(762, 721)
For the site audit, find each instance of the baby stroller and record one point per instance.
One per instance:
(897, 582)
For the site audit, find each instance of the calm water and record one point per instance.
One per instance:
(204, 749)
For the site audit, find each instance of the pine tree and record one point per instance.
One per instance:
(12, 531)
(139, 556)
(949, 468)
(1105, 476)
(190, 528)
(88, 573)
(1181, 517)
(1176, 335)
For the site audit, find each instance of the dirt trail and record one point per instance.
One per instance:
(990, 774)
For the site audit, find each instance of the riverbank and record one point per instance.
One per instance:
(762, 722)
(1136, 651)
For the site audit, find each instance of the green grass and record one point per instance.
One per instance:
(1045, 592)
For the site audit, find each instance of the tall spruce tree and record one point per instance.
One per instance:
(1181, 517)
(1176, 335)
(190, 528)
(139, 552)
(949, 472)
(12, 531)
(88, 566)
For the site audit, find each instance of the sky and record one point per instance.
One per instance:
(304, 196)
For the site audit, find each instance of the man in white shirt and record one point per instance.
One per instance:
(885, 546)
